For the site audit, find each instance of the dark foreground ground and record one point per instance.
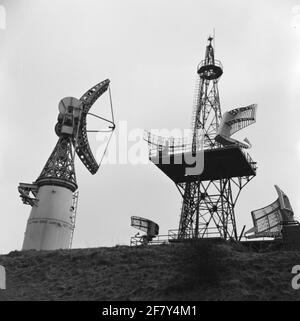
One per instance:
(198, 271)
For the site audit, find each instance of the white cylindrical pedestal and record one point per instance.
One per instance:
(49, 226)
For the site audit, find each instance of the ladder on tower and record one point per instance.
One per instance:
(195, 102)
(73, 210)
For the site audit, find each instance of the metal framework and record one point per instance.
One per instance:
(59, 168)
(269, 220)
(233, 121)
(28, 193)
(208, 206)
(209, 198)
(71, 129)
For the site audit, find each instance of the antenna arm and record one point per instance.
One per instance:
(82, 148)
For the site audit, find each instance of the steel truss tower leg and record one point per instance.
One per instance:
(208, 208)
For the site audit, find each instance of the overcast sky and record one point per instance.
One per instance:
(149, 50)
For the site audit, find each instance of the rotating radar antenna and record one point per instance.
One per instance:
(143, 224)
(54, 195)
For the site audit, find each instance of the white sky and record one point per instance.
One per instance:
(149, 50)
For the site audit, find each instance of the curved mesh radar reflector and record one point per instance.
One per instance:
(233, 121)
(83, 149)
(145, 225)
(269, 219)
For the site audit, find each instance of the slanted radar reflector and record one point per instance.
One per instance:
(268, 221)
(83, 149)
(233, 121)
(145, 225)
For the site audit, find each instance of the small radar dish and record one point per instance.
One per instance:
(69, 102)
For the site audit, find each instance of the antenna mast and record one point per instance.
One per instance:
(209, 197)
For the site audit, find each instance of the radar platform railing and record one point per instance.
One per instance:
(205, 232)
(205, 62)
(172, 145)
(173, 236)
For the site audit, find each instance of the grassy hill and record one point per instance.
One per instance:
(192, 271)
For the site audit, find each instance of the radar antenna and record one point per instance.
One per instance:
(54, 195)
(145, 225)
(209, 194)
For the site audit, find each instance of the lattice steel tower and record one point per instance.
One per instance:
(207, 110)
(199, 210)
(210, 197)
